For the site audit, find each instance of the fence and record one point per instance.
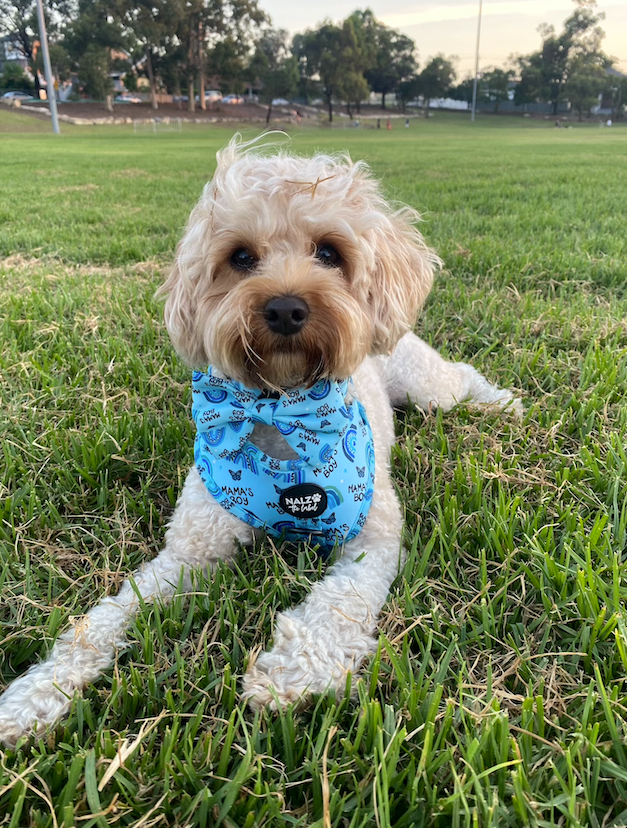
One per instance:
(158, 125)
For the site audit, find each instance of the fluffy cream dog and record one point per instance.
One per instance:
(292, 271)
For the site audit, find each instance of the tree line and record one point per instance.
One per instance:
(179, 44)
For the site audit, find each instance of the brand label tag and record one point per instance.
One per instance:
(306, 500)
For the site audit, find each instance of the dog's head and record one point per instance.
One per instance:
(292, 269)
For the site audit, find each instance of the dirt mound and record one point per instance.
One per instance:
(95, 111)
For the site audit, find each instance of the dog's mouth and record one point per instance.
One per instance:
(292, 339)
(291, 362)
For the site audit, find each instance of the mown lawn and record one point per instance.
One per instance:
(498, 696)
(12, 120)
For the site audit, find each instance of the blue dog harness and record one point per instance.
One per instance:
(325, 493)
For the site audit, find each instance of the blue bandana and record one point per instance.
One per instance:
(325, 493)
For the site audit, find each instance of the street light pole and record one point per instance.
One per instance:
(43, 36)
(474, 84)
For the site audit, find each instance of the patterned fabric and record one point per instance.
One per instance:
(325, 493)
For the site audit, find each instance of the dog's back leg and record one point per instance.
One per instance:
(416, 372)
(201, 533)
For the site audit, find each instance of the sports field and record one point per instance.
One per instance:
(498, 696)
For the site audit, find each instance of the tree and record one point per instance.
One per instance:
(94, 67)
(494, 86)
(391, 56)
(14, 77)
(60, 62)
(437, 78)
(544, 74)
(273, 69)
(409, 90)
(587, 78)
(91, 39)
(151, 24)
(170, 65)
(531, 85)
(308, 82)
(227, 60)
(336, 59)
(463, 91)
(210, 23)
(18, 21)
(357, 55)
(191, 39)
(353, 88)
(319, 54)
(192, 48)
(616, 91)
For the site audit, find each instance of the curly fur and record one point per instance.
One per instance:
(282, 208)
(285, 207)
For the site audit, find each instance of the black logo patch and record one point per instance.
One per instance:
(304, 501)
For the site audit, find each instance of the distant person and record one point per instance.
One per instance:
(406, 123)
(389, 124)
(378, 123)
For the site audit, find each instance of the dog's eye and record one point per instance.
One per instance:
(328, 255)
(243, 259)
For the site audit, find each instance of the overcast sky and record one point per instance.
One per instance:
(450, 26)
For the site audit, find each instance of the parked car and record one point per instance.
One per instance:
(126, 97)
(233, 99)
(279, 102)
(18, 96)
(211, 96)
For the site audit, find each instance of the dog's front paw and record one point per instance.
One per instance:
(29, 704)
(476, 390)
(303, 661)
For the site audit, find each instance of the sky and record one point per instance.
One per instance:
(450, 26)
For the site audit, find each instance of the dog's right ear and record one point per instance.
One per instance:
(183, 288)
(180, 320)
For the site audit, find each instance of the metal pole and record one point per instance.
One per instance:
(52, 100)
(474, 84)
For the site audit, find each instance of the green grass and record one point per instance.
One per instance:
(498, 696)
(14, 121)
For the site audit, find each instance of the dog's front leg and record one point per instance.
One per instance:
(200, 534)
(317, 642)
(417, 372)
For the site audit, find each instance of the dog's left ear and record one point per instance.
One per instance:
(402, 278)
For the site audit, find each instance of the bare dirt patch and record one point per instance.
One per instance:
(85, 112)
(143, 111)
(78, 188)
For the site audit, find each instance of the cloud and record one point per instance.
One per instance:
(439, 13)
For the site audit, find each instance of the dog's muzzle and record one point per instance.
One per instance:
(286, 315)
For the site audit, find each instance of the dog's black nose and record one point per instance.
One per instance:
(286, 315)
